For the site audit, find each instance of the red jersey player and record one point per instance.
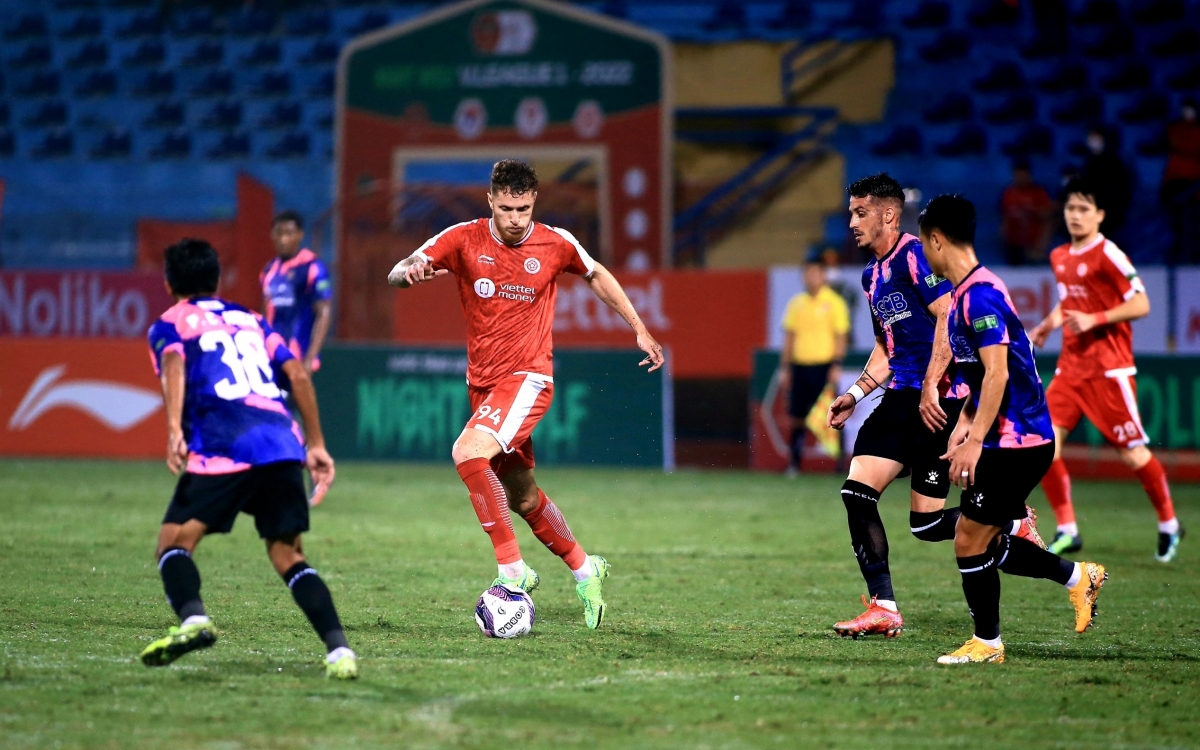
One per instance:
(507, 268)
(1100, 294)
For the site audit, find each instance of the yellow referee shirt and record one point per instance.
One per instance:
(816, 322)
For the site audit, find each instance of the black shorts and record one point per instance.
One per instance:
(1004, 477)
(273, 493)
(808, 381)
(895, 431)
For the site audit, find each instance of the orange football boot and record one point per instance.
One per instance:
(876, 620)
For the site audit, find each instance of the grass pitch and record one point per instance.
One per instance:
(724, 586)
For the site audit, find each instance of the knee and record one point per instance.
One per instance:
(524, 501)
(470, 446)
(1135, 458)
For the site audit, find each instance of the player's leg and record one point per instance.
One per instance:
(1064, 398)
(808, 382)
(1153, 476)
(928, 518)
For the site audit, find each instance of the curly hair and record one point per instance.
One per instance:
(882, 186)
(514, 176)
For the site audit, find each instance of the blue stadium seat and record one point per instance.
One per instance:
(114, 144)
(166, 114)
(32, 55)
(1149, 106)
(49, 114)
(98, 83)
(58, 143)
(5, 114)
(369, 21)
(150, 52)
(93, 54)
(207, 53)
(39, 84)
(729, 15)
(930, 14)
(273, 83)
(1182, 42)
(292, 145)
(1031, 140)
(214, 83)
(8, 143)
(903, 140)
(1015, 108)
(948, 46)
(1099, 13)
(323, 87)
(284, 114)
(174, 145)
(1132, 76)
(953, 107)
(795, 15)
(27, 26)
(253, 21)
(322, 52)
(1070, 76)
(144, 24)
(265, 52)
(1005, 75)
(83, 26)
(970, 140)
(197, 22)
(1082, 107)
(990, 14)
(1159, 12)
(223, 114)
(231, 146)
(310, 23)
(156, 83)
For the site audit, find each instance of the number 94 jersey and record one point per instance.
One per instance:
(234, 414)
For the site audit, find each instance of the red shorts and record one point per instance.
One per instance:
(1109, 402)
(509, 411)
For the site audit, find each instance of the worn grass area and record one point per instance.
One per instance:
(723, 588)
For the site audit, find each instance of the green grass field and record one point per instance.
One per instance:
(723, 589)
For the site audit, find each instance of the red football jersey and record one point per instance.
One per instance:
(1092, 279)
(507, 293)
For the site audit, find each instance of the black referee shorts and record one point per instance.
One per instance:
(895, 431)
(273, 493)
(1004, 478)
(808, 381)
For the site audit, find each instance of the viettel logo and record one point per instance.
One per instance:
(117, 405)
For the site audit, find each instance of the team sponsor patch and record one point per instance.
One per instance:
(986, 322)
(933, 280)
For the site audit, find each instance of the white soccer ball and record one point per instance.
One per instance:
(504, 612)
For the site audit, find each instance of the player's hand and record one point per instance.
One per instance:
(931, 409)
(963, 458)
(653, 350)
(320, 465)
(840, 411)
(177, 452)
(1078, 322)
(1039, 334)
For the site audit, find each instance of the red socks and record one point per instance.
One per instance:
(491, 507)
(1057, 486)
(1154, 480)
(551, 529)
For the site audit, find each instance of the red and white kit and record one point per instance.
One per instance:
(508, 294)
(1095, 373)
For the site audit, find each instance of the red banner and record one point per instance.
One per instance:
(712, 321)
(79, 397)
(109, 304)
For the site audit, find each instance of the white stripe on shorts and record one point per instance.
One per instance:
(1126, 386)
(527, 396)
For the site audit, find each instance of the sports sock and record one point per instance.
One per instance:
(1071, 528)
(887, 604)
(1076, 574)
(937, 526)
(491, 507)
(583, 572)
(512, 571)
(868, 537)
(981, 586)
(1021, 557)
(1057, 486)
(1169, 527)
(993, 642)
(797, 446)
(1154, 480)
(314, 599)
(181, 582)
(551, 529)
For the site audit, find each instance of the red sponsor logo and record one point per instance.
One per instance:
(111, 304)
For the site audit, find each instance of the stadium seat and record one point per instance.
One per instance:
(49, 114)
(1003, 76)
(281, 115)
(253, 21)
(1181, 42)
(1080, 108)
(1188, 79)
(930, 14)
(3, 84)
(369, 21)
(992, 13)
(28, 26)
(223, 114)
(1114, 42)
(728, 16)
(149, 52)
(795, 15)
(141, 25)
(323, 87)
(904, 139)
(1149, 106)
(8, 143)
(207, 53)
(311, 23)
(615, 8)
(948, 46)
(83, 26)
(214, 83)
(1032, 140)
(174, 145)
(1099, 13)
(970, 140)
(156, 83)
(98, 83)
(93, 54)
(5, 114)
(265, 52)
(273, 83)
(322, 52)
(954, 107)
(1015, 108)
(1134, 75)
(166, 114)
(41, 83)
(291, 146)
(114, 144)
(231, 146)
(56, 144)
(1071, 76)
(1159, 12)
(194, 23)
(32, 55)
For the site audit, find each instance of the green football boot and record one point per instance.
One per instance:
(528, 581)
(1065, 544)
(344, 667)
(179, 641)
(591, 594)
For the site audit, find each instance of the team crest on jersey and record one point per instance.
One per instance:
(887, 272)
(533, 265)
(487, 259)
(986, 322)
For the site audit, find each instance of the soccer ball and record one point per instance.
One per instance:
(504, 612)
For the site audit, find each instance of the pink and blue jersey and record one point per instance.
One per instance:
(234, 415)
(290, 289)
(900, 287)
(981, 315)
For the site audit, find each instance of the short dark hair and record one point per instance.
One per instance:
(952, 215)
(288, 215)
(192, 267)
(882, 186)
(1086, 188)
(515, 176)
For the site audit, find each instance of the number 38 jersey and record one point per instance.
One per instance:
(234, 414)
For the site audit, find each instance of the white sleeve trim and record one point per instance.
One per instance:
(420, 253)
(1120, 260)
(588, 263)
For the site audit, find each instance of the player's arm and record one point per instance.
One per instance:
(320, 464)
(785, 359)
(608, 290)
(1049, 325)
(873, 376)
(841, 342)
(415, 269)
(964, 456)
(1137, 306)
(174, 382)
(939, 359)
(323, 314)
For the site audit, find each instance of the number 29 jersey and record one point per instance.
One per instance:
(234, 414)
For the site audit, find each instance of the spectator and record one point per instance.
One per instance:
(1180, 192)
(1027, 212)
(1112, 178)
(815, 328)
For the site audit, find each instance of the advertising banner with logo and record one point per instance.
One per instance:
(381, 402)
(712, 321)
(81, 303)
(79, 397)
(1033, 291)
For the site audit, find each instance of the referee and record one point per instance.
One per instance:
(814, 344)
